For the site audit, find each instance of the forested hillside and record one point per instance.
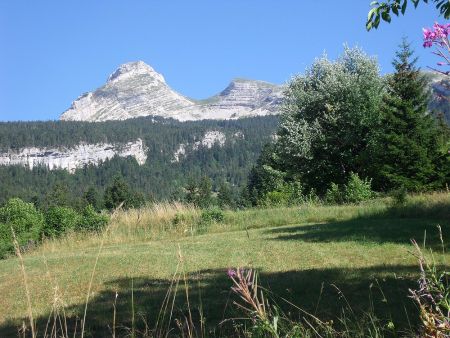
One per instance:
(164, 174)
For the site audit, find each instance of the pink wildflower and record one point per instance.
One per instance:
(437, 35)
(231, 273)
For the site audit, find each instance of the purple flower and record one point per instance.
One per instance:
(438, 34)
(231, 273)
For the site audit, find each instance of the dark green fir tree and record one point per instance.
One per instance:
(408, 153)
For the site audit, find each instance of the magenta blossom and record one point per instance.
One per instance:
(231, 273)
(436, 35)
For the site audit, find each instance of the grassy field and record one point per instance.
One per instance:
(310, 255)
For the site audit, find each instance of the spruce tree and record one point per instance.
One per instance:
(407, 149)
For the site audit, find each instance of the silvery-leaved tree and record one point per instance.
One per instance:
(328, 119)
(384, 10)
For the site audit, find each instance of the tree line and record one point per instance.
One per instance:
(160, 178)
(344, 125)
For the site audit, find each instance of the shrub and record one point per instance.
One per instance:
(59, 220)
(334, 195)
(276, 198)
(91, 220)
(212, 215)
(6, 240)
(209, 216)
(286, 194)
(357, 190)
(26, 221)
(178, 219)
(399, 196)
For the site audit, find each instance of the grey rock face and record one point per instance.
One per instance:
(135, 90)
(72, 158)
(440, 100)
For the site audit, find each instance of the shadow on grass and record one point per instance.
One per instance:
(396, 225)
(210, 291)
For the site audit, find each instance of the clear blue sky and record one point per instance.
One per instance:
(53, 51)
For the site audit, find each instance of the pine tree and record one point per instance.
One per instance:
(91, 197)
(225, 196)
(117, 193)
(407, 147)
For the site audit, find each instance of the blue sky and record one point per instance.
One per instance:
(53, 51)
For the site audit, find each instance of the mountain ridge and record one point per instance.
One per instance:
(135, 89)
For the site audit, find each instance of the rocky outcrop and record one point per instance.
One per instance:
(135, 89)
(76, 157)
(210, 138)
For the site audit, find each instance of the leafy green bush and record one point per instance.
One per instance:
(276, 198)
(59, 220)
(92, 220)
(24, 219)
(334, 195)
(6, 240)
(286, 194)
(209, 216)
(399, 196)
(357, 190)
(354, 191)
(212, 215)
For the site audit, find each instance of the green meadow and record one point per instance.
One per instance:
(325, 260)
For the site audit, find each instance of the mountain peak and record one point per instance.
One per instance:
(135, 89)
(132, 69)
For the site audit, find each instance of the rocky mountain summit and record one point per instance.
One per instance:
(135, 89)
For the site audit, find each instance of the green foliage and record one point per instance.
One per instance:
(264, 178)
(382, 10)
(327, 124)
(225, 197)
(358, 190)
(212, 215)
(199, 193)
(208, 217)
(58, 196)
(276, 198)
(161, 177)
(399, 196)
(24, 219)
(410, 149)
(119, 192)
(6, 240)
(92, 220)
(334, 195)
(91, 197)
(286, 194)
(29, 224)
(59, 220)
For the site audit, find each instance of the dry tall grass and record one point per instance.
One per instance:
(173, 220)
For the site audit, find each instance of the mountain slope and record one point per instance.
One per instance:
(156, 156)
(133, 90)
(136, 90)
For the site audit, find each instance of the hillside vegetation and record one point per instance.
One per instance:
(161, 177)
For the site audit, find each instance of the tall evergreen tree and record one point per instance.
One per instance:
(118, 192)
(407, 149)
